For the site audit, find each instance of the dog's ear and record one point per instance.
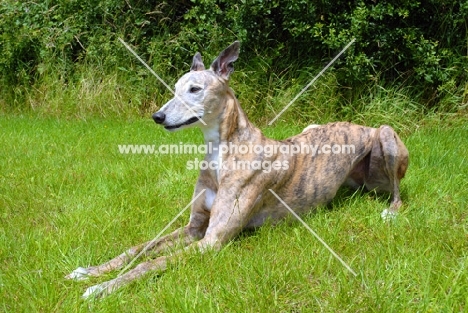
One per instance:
(223, 66)
(197, 63)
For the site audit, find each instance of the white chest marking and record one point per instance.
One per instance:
(210, 195)
(212, 141)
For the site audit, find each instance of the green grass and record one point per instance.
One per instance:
(68, 198)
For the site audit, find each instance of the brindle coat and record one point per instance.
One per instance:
(235, 199)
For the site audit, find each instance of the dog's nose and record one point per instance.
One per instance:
(159, 117)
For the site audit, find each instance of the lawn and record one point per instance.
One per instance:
(68, 198)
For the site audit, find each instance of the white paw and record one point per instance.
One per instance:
(79, 274)
(95, 291)
(310, 127)
(388, 215)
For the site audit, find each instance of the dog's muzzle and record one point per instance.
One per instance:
(160, 118)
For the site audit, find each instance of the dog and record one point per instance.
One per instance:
(228, 199)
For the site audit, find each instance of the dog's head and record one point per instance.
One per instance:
(199, 93)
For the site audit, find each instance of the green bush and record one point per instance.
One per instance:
(394, 39)
(422, 44)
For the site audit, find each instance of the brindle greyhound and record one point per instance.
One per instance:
(234, 199)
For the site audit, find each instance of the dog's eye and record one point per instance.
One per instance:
(195, 89)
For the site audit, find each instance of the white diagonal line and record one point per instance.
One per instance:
(160, 233)
(159, 78)
(315, 234)
(312, 81)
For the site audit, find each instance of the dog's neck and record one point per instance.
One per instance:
(231, 127)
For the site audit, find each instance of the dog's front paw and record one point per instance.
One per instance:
(388, 215)
(79, 274)
(96, 291)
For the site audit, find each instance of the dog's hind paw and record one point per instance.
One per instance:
(388, 215)
(310, 127)
(79, 274)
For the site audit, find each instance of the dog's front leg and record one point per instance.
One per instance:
(184, 236)
(230, 213)
(158, 264)
(104, 289)
(214, 241)
(233, 208)
(181, 235)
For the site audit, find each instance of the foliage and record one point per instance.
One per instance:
(422, 44)
(394, 39)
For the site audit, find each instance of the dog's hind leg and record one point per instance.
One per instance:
(396, 162)
(387, 166)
